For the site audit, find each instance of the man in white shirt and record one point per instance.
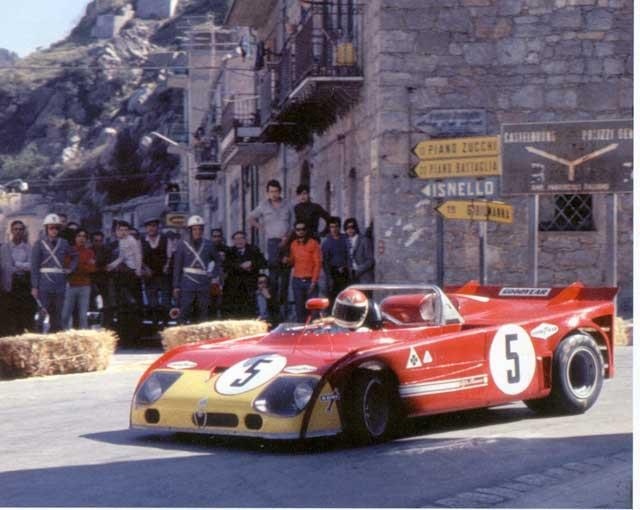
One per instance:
(126, 270)
(15, 268)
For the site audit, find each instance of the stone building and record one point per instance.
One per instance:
(344, 91)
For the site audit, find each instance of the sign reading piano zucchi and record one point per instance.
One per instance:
(567, 157)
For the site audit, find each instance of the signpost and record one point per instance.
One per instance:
(466, 188)
(467, 167)
(568, 157)
(176, 219)
(478, 210)
(565, 158)
(453, 122)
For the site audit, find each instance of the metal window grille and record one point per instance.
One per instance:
(566, 213)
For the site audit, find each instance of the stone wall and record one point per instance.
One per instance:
(519, 61)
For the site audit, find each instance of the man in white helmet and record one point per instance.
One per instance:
(196, 262)
(48, 270)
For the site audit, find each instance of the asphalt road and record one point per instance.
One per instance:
(66, 442)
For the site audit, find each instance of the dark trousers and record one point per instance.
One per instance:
(158, 296)
(190, 298)
(339, 281)
(53, 302)
(19, 306)
(278, 274)
(300, 295)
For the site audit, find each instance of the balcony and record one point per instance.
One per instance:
(318, 75)
(207, 156)
(241, 131)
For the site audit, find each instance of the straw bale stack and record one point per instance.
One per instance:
(66, 352)
(622, 332)
(180, 335)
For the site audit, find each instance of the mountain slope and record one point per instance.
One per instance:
(72, 116)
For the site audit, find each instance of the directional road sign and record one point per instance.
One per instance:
(468, 147)
(479, 210)
(462, 188)
(476, 156)
(467, 167)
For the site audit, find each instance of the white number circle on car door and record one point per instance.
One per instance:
(512, 359)
(250, 373)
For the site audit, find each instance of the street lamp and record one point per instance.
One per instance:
(14, 186)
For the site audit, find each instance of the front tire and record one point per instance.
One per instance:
(578, 374)
(371, 410)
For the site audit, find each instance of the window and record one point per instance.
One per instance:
(566, 213)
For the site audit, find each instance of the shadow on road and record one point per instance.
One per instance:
(248, 474)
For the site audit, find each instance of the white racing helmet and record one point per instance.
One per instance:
(194, 221)
(350, 308)
(51, 219)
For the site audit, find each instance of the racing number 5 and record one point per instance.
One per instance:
(513, 376)
(252, 371)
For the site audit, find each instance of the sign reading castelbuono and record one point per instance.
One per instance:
(567, 157)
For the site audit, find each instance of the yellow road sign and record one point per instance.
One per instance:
(456, 148)
(468, 167)
(479, 210)
(176, 219)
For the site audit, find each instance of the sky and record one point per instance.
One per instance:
(28, 24)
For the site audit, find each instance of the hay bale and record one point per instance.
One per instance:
(65, 352)
(180, 335)
(621, 332)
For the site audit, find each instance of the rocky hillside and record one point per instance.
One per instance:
(73, 116)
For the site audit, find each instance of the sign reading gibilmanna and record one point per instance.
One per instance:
(567, 157)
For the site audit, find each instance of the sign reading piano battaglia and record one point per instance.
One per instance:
(567, 157)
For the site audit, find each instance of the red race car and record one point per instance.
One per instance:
(388, 352)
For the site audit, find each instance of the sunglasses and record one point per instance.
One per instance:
(301, 229)
(54, 227)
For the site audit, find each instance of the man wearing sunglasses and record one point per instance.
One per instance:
(305, 257)
(48, 272)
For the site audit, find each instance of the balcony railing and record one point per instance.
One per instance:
(206, 150)
(328, 43)
(240, 112)
(266, 83)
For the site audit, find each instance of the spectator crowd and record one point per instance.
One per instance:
(56, 282)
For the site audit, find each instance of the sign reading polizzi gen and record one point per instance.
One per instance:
(567, 157)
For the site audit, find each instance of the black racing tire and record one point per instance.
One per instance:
(372, 407)
(578, 374)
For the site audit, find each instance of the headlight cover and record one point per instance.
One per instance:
(155, 386)
(286, 396)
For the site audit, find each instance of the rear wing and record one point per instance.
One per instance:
(554, 295)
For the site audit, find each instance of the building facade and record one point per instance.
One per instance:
(337, 94)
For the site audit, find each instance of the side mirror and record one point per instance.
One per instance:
(317, 304)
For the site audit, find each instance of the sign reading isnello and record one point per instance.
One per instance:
(458, 157)
(465, 187)
(568, 157)
(479, 210)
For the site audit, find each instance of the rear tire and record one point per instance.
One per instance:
(578, 374)
(371, 408)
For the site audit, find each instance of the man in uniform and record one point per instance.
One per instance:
(48, 274)
(196, 263)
